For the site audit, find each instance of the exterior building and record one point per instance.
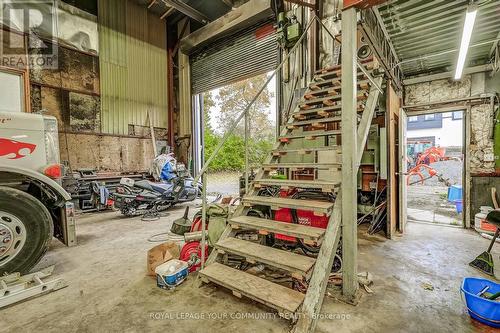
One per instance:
(437, 129)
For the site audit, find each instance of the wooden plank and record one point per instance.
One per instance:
(313, 121)
(321, 166)
(335, 75)
(307, 150)
(310, 134)
(363, 84)
(323, 184)
(337, 67)
(277, 202)
(285, 228)
(318, 82)
(271, 294)
(349, 156)
(366, 119)
(288, 261)
(324, 110)
(321, 272)
(322, 100)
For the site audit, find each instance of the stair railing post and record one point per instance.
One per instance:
(247, 137)
(203, 218)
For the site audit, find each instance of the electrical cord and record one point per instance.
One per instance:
(170, 237)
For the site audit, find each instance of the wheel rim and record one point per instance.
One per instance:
(12, 237)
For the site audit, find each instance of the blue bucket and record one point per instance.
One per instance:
(458, 205)
(481, 309)
(454, 193)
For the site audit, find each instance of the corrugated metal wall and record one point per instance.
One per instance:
(133, 66)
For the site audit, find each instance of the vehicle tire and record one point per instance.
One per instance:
(26, 230)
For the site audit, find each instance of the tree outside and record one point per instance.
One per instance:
(222, 107)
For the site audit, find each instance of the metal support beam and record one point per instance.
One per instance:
(447, 75)
(349, 154)
(187, 10)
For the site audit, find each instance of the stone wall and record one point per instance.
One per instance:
(481, 139)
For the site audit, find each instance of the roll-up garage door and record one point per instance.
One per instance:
(244, 54)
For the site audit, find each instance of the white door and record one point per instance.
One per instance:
(11, 92)
(403, 170)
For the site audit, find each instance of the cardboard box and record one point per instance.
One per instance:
(161, 254)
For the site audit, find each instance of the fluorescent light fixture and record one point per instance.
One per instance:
(470, 17)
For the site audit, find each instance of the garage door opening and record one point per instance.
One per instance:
(435, 166)
(221, 107)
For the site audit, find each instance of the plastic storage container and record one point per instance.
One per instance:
(482, 225)
(171, 273)
(481, 309)
(458, 205)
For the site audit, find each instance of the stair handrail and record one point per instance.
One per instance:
(251, 103)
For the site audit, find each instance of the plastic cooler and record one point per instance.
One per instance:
(481, 309)
(171, 273)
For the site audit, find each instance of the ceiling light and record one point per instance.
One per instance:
(470, 17)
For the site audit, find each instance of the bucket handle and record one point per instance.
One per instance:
(476, 314)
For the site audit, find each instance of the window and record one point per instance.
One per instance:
(413, 119)
(429, 117)
(458, 115)
(11, 92)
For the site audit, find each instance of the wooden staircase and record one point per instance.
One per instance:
(307, 155)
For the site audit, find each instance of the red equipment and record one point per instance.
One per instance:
(191, 253)
(304, 217)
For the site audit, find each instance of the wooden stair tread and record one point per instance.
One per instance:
(320, 78)
(289, 229)
(324, 109)
(310, 134)
(298, 183)
(314, 121)
(337, 67)
(271, 294)
(318, 100)
(322, 166)
(323, 207)
(329, 89)
(306, 150)
(291, 262)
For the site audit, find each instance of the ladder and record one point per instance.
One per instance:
(307, 155)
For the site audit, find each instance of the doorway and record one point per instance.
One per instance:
(434, 163)
(215, 114)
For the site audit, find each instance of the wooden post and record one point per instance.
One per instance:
(319, 280)
(349, 154)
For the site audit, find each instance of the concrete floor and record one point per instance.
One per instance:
(429, 204)
(109, 292)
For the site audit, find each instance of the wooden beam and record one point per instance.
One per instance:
(151, 3)
(362, 4)
(349, 154)
(303, 3)
(168, 12)
(245, 15)
(366, 118)
(319, 280)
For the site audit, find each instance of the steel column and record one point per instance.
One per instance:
(349, 153)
